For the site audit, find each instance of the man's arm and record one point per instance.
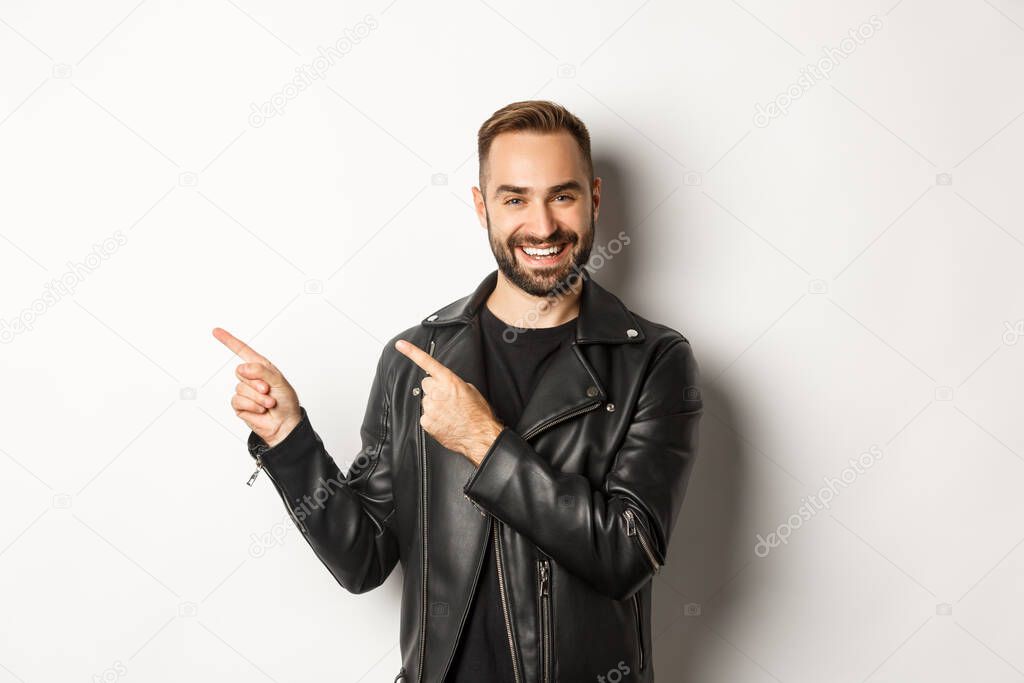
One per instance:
(616, 537)
(344, 518)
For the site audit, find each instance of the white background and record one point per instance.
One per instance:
(849, 276)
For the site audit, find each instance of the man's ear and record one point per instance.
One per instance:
(480, 207)
(596, 194)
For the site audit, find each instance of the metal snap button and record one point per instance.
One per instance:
(415, 391)
(631, 332)
(591, 390)
(610, 407)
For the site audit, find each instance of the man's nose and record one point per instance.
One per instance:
(543, 224)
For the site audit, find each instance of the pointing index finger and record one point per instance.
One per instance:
(422, 359)
(239, 347)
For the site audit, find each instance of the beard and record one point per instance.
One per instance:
(543, 282)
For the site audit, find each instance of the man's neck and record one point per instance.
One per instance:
(515, 307)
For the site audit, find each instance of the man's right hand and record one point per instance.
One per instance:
(263, 399)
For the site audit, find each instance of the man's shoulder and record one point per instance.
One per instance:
(658, 336)
(672, 368)
(647, 336)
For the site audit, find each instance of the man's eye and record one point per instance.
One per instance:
(567, 196)
(514, 199)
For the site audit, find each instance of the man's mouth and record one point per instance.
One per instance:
(545, 255)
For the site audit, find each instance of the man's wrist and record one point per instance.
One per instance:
(287, 428)
(492, 430)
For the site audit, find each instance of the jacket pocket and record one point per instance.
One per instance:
(544, 595)
(638, 612)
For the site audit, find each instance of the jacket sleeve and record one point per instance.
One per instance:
(615, 538)
(344, 518)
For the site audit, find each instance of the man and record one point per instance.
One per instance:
(526, 448)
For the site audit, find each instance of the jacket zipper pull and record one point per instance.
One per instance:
(259, 466)
(544, 578)
(631, 530)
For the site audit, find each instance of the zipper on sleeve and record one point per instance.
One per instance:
(635, 529)
(258, 451)
(259, 466)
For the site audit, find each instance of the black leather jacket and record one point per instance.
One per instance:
(581, 495)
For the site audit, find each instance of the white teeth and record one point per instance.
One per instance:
(542, 252)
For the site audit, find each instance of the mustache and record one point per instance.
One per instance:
(554, 239)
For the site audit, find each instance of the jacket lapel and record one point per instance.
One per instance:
(570, 382)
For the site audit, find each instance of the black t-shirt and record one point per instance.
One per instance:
(514, 359)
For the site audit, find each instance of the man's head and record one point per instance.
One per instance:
(537, 189)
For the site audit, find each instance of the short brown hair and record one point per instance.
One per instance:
(542, 116)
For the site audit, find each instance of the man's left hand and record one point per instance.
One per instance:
(454, 411)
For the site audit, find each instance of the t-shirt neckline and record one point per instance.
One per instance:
(528, 332)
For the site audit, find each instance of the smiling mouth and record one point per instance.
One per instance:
(542, 255)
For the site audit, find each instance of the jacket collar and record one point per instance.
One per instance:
(571, 385)
(602, 319)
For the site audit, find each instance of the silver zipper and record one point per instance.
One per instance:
(635, 529)
(504, 598)
(552, 423)
(259, 466)
(639, 628)
(544, 577)
(423, 464)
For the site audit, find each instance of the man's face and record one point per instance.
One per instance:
(538, 197)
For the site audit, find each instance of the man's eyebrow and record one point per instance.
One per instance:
(518, 189)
